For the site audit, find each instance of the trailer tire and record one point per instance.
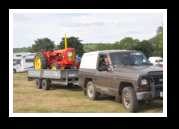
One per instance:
(70, 85)
(38, 83)
(45, 84)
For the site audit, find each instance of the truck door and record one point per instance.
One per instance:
(103, 79)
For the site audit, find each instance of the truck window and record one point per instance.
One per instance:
(128, 58)
(119, 58)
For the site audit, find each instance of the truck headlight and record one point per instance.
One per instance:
(144, 82)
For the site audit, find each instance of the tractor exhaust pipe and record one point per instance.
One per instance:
(65, 42)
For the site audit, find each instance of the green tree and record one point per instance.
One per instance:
(159, 29)
(157, 42)
(43, 44)
(145, 47)
(23, 49)
(89, 47)
(127, 43)
(72, 42)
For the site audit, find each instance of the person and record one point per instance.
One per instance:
(103, 63)
(78, 60)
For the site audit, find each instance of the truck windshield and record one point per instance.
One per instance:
(128, 58)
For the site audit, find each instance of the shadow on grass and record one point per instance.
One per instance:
(153, 106)
(105, 97)
(70, 87)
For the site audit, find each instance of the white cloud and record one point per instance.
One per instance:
(88, 27)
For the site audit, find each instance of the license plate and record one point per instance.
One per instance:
(161, 94)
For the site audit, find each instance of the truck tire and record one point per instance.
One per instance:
(129, 99)
(40, 62)
(91, 91)
(45, 84)
(38, 83)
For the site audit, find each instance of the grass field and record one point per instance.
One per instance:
(27, 98)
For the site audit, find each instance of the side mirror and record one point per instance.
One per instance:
(109, 68)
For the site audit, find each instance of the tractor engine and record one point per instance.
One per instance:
(55, 59)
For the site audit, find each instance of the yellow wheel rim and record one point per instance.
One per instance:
(37, 63)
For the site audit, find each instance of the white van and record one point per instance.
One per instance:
(156, 60)
(22, 63)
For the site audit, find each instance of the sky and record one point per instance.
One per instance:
(89, 27)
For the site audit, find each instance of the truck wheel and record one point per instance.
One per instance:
(39, 62)
(91, 92)
(129, 99)
(45, 84)
(38, 83)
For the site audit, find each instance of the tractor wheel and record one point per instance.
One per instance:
(39, 62)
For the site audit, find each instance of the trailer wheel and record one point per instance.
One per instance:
(39, 62)
(45, 84)
(38, 83)
(70, 85)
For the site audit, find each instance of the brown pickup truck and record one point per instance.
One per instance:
(125, 74)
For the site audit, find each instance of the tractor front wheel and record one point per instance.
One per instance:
(39, 62)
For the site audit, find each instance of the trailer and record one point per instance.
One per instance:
(45, 78)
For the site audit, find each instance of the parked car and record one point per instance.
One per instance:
(22, 63)
(158, 61)
(125, 74)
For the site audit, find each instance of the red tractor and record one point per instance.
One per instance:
(56, 59)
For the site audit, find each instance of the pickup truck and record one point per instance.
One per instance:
(125, 74)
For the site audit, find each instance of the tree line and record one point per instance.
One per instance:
(150, 47)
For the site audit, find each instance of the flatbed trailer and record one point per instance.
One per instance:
(46, 77)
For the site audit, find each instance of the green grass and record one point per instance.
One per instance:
(27, 98)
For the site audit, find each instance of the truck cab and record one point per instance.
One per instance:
(125, 74)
